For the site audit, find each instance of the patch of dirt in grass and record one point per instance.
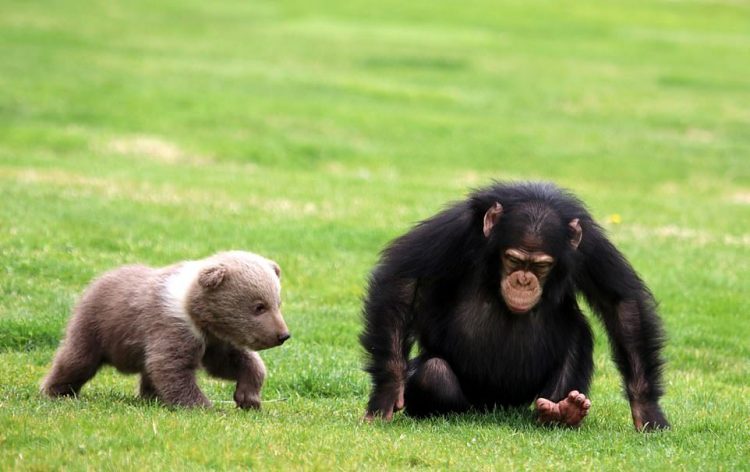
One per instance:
(743, 198)
(154, 148)
(698, 237)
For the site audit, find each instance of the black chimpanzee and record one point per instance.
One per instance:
(487, 288)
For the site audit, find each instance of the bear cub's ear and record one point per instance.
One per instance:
(212, 277)
(276, 268)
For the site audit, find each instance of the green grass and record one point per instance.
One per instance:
(313, 133)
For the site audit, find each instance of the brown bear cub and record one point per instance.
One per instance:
(166, 323)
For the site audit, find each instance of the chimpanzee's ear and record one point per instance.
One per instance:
(576, 233)
(491, 217)
(212, 277)
(276, 268)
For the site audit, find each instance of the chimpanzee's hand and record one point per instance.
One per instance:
(647, 416)
(384, 401)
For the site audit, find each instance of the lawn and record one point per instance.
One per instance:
(313, 133)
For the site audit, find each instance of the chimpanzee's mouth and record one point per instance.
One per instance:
(519, 309)
(520, 302)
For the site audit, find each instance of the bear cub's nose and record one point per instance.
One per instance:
(284, 337)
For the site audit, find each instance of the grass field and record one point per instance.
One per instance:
(314, 133)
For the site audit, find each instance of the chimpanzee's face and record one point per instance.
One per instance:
(523, 275)
(524, 264)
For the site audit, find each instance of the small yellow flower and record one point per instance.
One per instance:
(614, 218)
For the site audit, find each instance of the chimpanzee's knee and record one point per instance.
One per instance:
(433, 389)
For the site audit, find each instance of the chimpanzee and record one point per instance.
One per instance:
(487, 289)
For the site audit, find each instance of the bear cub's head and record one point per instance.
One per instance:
(237, 298)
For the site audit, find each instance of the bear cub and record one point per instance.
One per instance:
(166, 323)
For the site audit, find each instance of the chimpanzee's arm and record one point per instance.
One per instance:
(387, 341)
(624, 303)
(434, 248)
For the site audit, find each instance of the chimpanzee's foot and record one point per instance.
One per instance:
(570, 411)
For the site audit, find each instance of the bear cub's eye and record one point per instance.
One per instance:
(259, 308)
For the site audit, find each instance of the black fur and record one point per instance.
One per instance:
(438, 285)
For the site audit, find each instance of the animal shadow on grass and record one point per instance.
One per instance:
(512, 417)
(117, 398)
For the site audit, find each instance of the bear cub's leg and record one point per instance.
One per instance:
(170, 373)
(76, 362)
(242, 365)
(147, 391)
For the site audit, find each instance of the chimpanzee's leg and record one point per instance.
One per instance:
(563, 400)
(432, 388)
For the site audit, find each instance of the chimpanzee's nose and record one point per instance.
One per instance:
(284, 337)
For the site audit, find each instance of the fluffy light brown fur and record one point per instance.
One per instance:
(166, 323)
